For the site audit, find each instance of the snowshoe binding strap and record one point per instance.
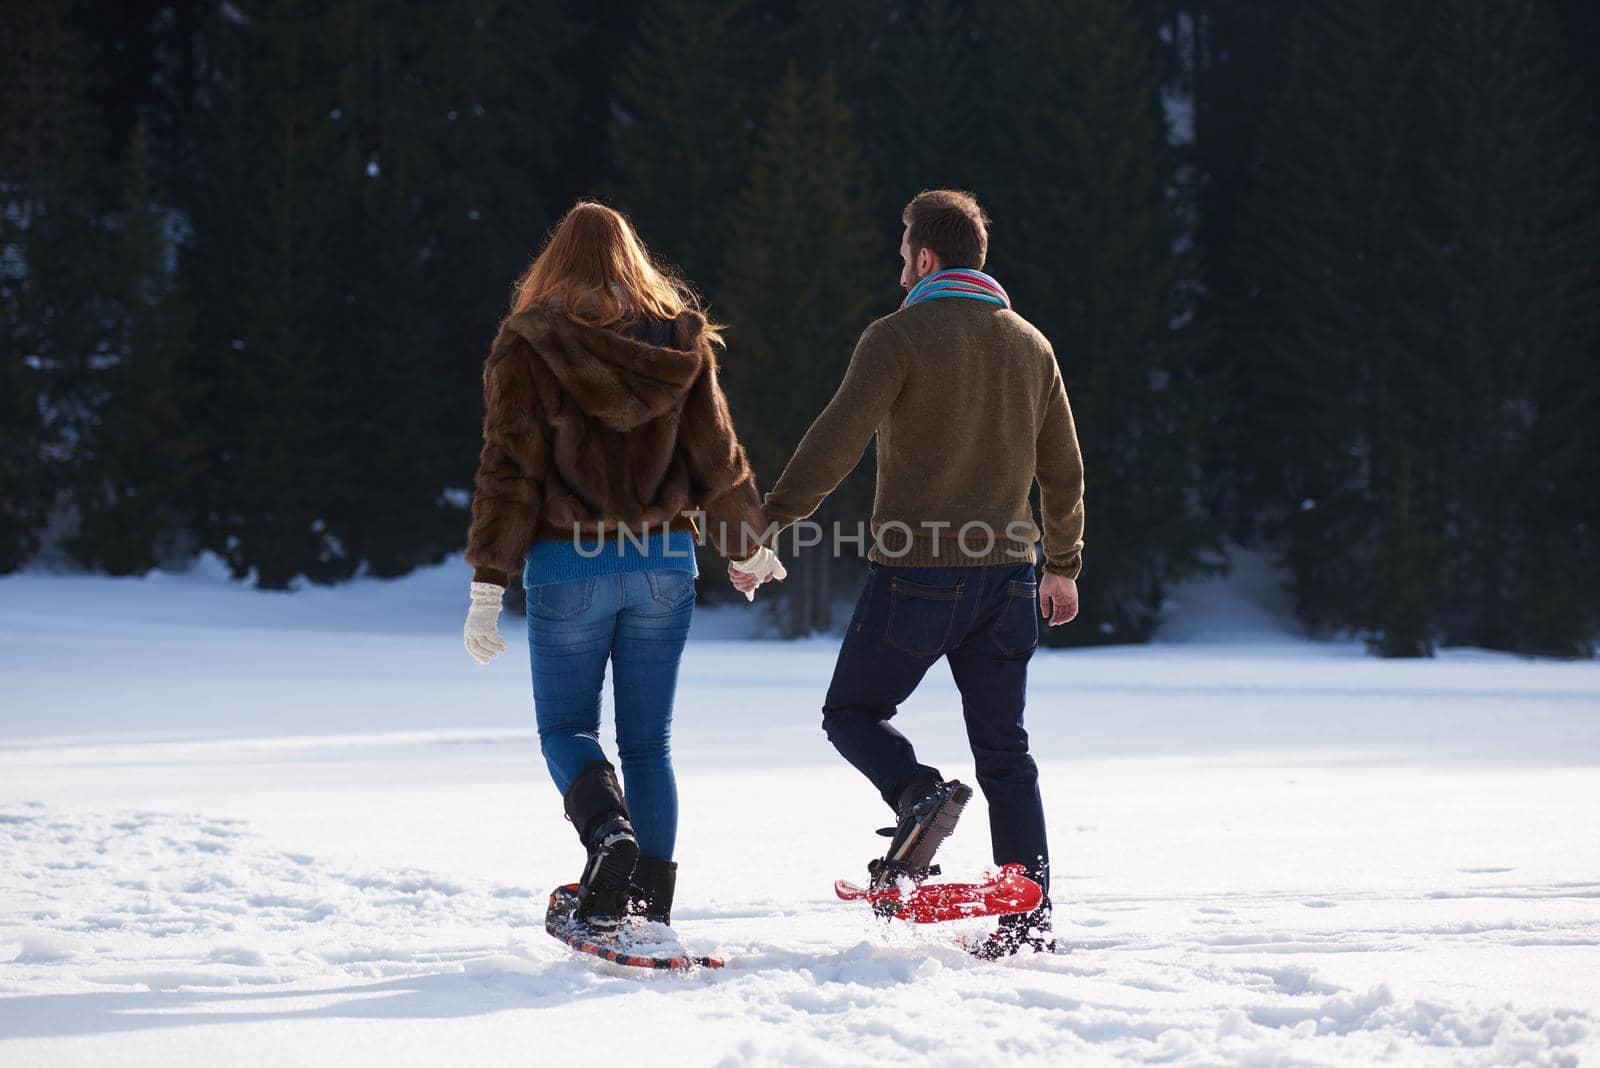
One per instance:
(894, 871)
(888, 873)
(594, 803)
(923, 827)
(603, 891)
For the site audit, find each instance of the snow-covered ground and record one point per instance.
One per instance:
(243, 828)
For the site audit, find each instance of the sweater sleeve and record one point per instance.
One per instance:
(508, 486)
(833, 446)
(1059, 470)
(720, 477)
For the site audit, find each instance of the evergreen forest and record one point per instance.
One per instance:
(1323, 276)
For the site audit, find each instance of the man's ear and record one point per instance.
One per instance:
(926, 262)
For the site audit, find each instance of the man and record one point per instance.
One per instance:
(968, 407)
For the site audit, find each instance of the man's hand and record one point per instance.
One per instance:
(1058, 599)
(762, 566)
(743, 582)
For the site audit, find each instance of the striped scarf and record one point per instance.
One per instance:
(957, 282)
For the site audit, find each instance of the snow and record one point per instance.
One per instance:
(248, 828)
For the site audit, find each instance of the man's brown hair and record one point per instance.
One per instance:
(951, 224)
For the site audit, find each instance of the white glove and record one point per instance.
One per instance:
(764, 565)
(482, 633)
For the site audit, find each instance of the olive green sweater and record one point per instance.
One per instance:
(969, 410)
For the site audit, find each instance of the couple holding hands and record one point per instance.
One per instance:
(605, 437)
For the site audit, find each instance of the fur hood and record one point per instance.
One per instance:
(586, 429)
(615, 379)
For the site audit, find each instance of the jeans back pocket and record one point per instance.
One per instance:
(921, 617)
(671, 589)
(562, 600)
(1016, 628)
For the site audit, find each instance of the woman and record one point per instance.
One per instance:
(604, 429)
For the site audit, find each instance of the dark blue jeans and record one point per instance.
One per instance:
(638, 621)
(985, 621)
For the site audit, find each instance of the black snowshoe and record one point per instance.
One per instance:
(928, 809)
(620, 909)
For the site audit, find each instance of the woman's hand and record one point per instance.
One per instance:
(762, 566)
(482, 634)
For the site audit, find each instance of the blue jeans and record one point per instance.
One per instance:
(639, 622)
(985, 621)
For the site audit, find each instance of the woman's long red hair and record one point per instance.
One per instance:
(595, 268)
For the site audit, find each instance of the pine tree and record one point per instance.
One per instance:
(263, 218)
(25, 488)
(1406, 568)
(1238, 55)
(1333, 234)
(476, 160)
(391, 194)
(134, 471)
(852, 43)
(798, 287)
(441, 173)
(1092, 239)
(26, 485)
(682, 135)
(49, 247)
(909, 72)
(1513, 302)
(934, 107)
(1428, 235)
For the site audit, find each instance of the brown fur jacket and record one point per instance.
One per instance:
(586, 428)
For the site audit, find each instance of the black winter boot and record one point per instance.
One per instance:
(654, 881)
(928, 809)
(1024, 930)
(595, 806)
